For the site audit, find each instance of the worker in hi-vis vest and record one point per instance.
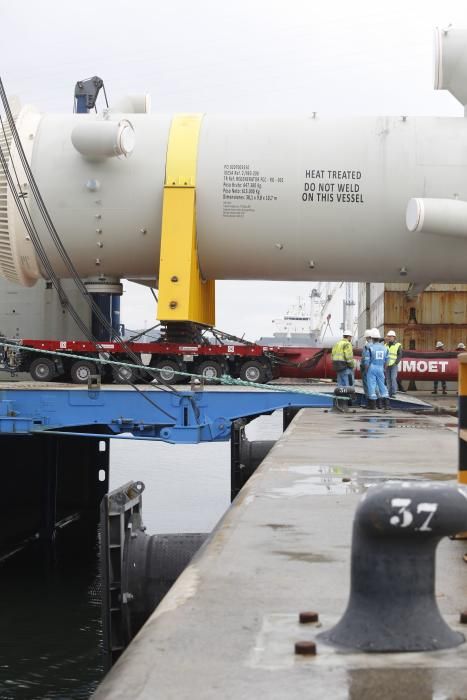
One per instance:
(375, 357)
(342, 360)
(394, 357)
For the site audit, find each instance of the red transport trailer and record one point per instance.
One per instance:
(247, 361)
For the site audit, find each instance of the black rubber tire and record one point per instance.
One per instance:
(253, 371)
(81, 370)
(210, 369)
(170, 377)
(42, 369)
(125, 375)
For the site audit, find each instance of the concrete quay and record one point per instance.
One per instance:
(227, 628)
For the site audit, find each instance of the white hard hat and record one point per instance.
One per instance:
(347, 332)
(391, 334)
(375, 333)
(439, 344)
(368, 333)
(460, 346)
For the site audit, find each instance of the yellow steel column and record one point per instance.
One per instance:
(183, 294)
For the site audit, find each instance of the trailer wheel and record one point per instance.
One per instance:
(82, 370)
(167, 373)
(125, 375)
(210, 369)
(253, 371)
(42, 369)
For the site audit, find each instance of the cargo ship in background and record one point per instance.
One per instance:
(311, 321)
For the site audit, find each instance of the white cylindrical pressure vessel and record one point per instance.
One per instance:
(292, 198)
(442, 217)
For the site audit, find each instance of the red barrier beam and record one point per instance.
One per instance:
(418, 366)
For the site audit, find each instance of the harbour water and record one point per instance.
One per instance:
(50, 626)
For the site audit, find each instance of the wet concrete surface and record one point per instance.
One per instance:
(228, 627)
(377, 426)
(440, 402)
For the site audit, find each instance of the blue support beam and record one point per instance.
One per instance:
(175, 417)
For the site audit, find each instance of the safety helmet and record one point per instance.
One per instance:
(460, 346)
(391, 334)
(439, 344)
(375, 333)
(368, 333)
(347, 332)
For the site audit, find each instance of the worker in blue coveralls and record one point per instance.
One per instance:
(376, 358)
(364, 369)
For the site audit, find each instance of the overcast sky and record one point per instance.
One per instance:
(246, 56)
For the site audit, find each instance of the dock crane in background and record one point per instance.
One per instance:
(323, 297)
